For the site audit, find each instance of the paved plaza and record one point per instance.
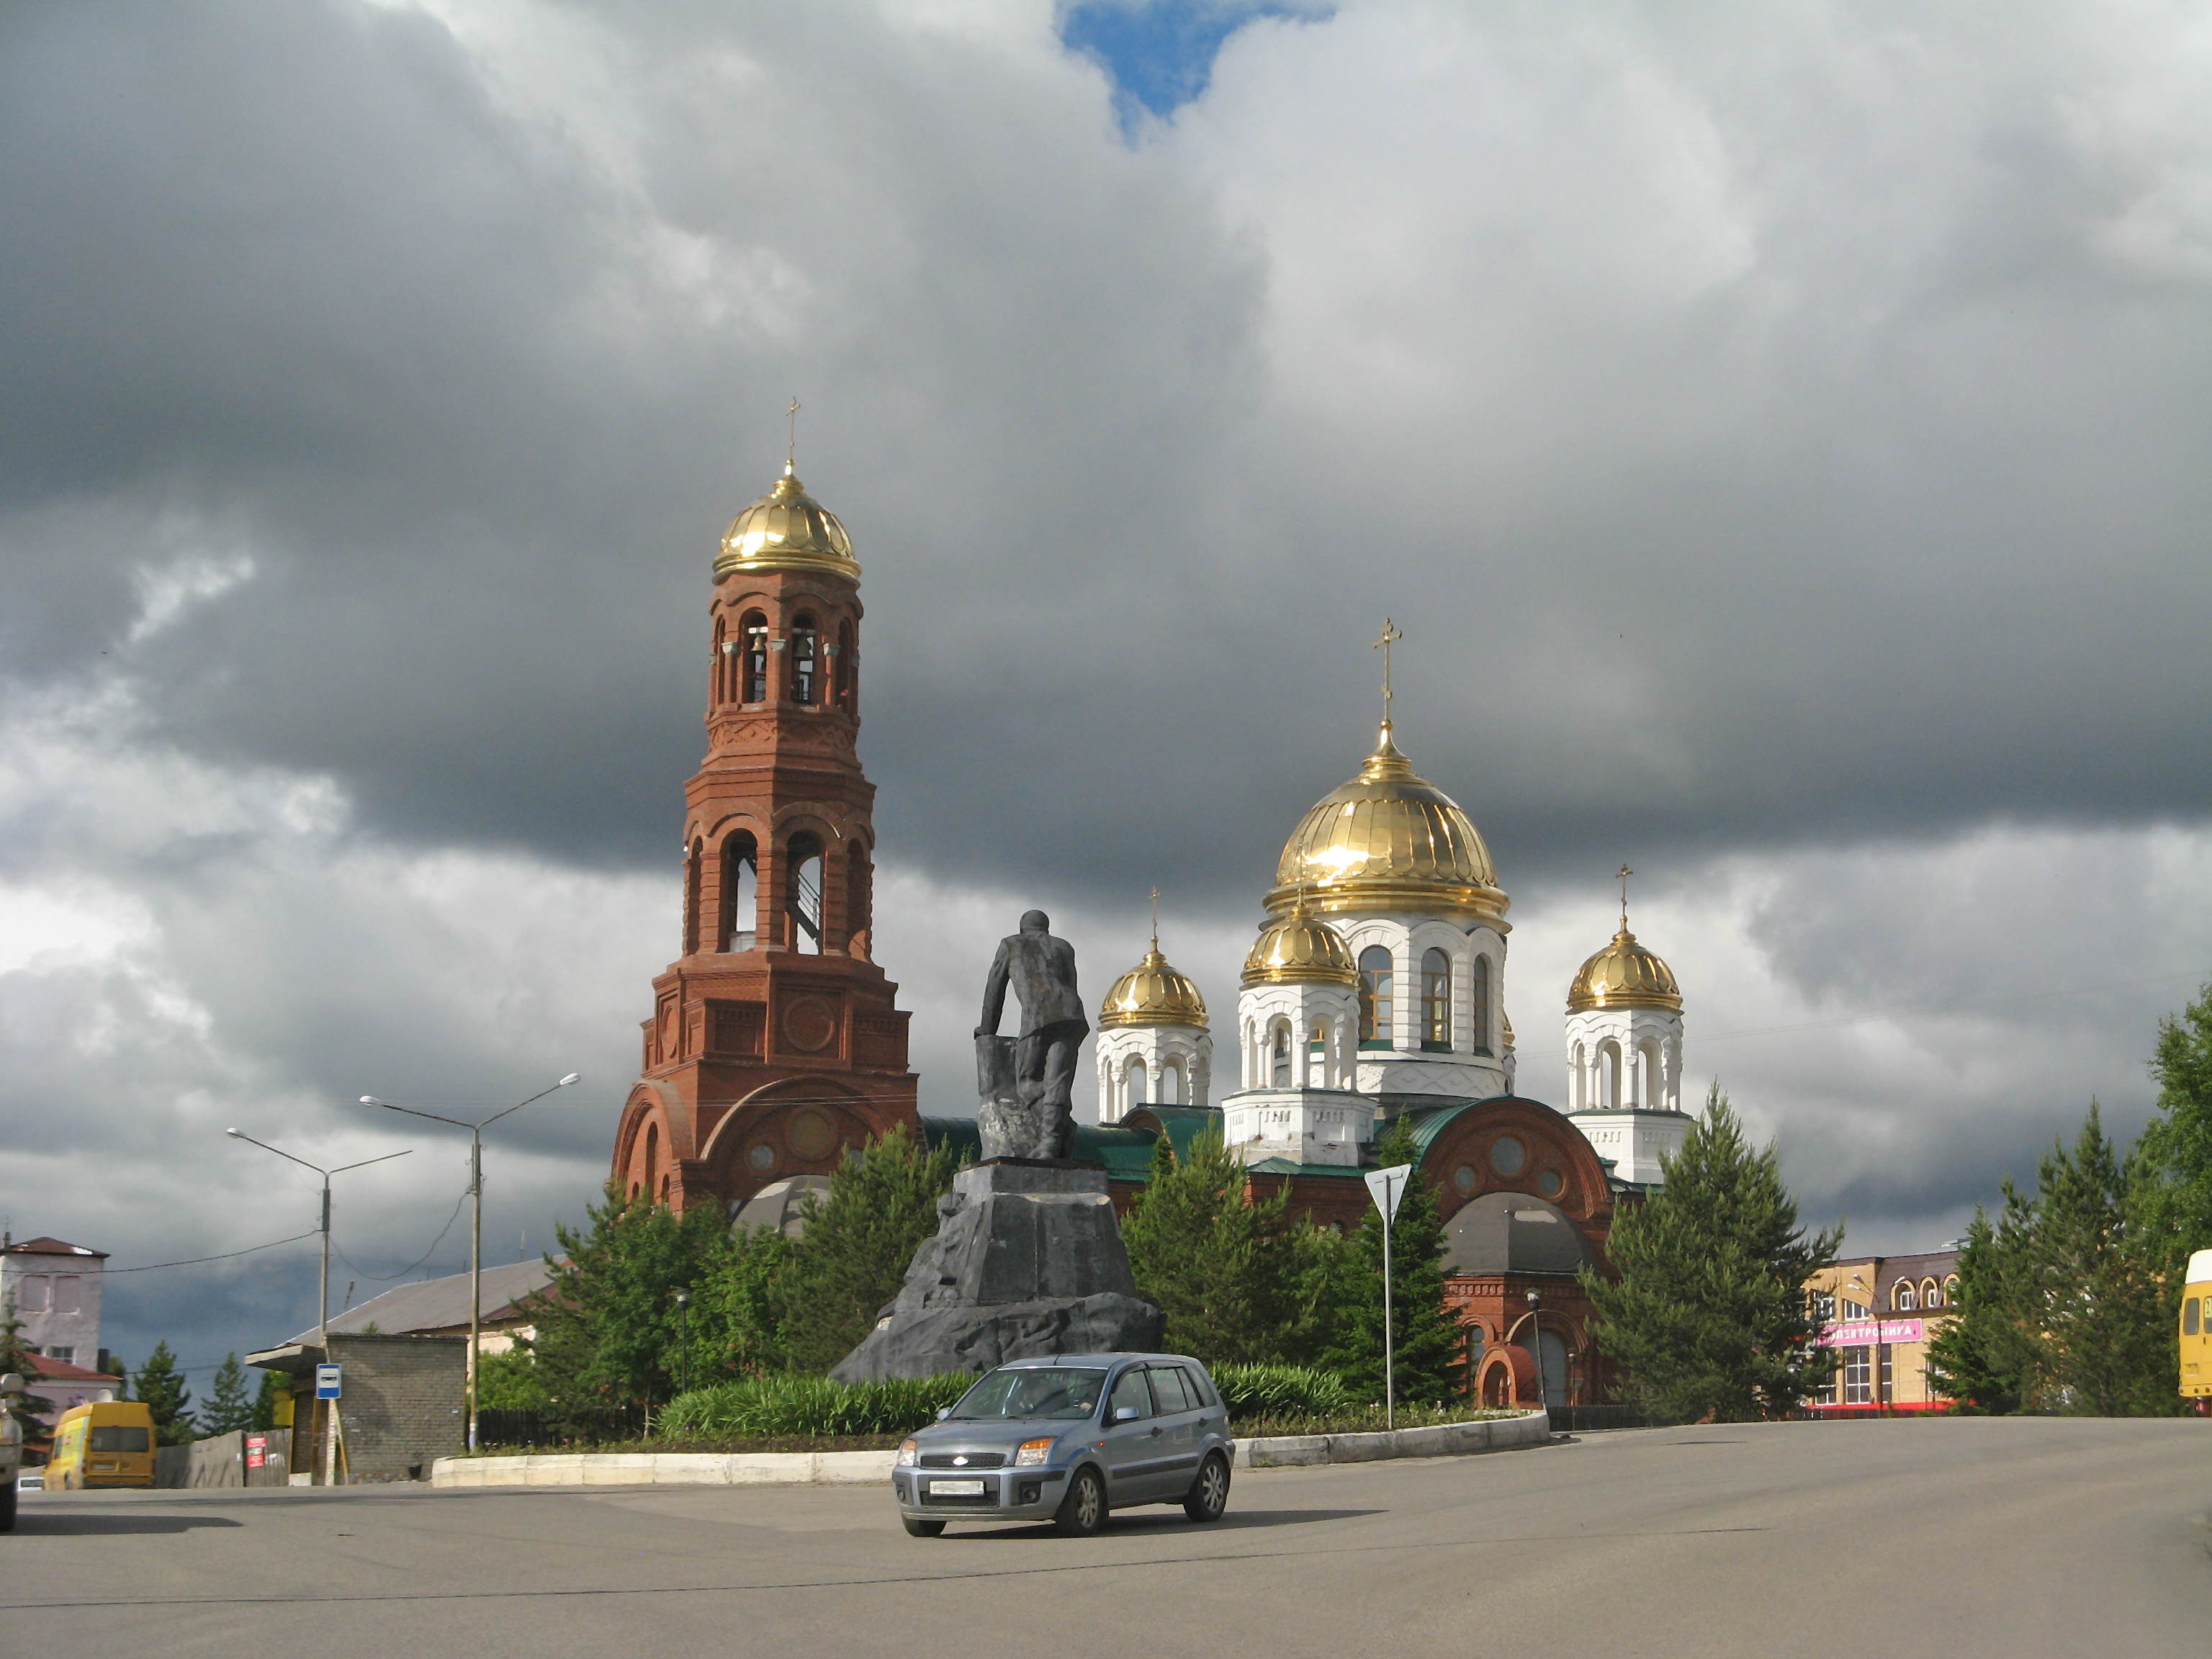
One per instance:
(1952, 1538)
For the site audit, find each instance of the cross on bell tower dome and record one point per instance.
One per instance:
(775, 1042)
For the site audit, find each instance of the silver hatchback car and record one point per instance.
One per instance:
(1067, 1439)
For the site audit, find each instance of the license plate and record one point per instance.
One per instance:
(103, 1469)
(956, 1488)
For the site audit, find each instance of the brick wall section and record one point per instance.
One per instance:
(402, 1404)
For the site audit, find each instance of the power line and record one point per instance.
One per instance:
(194, 1261)
(387, 1278)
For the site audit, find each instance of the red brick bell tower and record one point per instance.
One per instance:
(775, 1042)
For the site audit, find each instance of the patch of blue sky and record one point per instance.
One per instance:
(1160, 53)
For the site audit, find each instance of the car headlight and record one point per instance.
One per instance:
(906, 1454)
(1032, 1453)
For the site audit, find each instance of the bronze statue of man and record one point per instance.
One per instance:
(1041, 968)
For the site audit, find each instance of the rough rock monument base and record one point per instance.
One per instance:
(1028, 1261)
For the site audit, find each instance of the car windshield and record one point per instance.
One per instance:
(1030, 1391)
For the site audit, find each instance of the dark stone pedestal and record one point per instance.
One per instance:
(1028, 1260)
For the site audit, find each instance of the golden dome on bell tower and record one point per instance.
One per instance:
(786, 529)
(1296, 949)
(1623, 975)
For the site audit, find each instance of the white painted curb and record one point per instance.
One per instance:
(863, 1467)
(1440, 1440)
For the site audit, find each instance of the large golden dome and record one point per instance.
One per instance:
(1295, 949)
(786, 529)
(1153, 993)
(1624, 975)
(1389, 840)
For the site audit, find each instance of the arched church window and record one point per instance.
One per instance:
(1376, 1013)
(1478, 987)
(1133, 1083)
(755, 675)
(1171, 1084)
(652, 1155)
(740, 920)
(1436, 1000)
(1278, 1065)
(803, 893)
(1609, 1076)
(847, 667)
(805, 658)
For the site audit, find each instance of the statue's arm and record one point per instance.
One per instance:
(994, 995)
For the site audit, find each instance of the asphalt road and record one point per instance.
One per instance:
(1957, 1539)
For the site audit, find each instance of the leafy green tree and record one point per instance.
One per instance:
(2171, 1202)
(228, 1405)
(1986, 1356)
(857, 1245)
(1709, 1315)
(29, 1410)
(608, 1322)
(1226, 1272)
(735, 1326)
(272, 1392)
(1429, 1344)
(2094, 1287)
(509, 1381)
(162, 1386)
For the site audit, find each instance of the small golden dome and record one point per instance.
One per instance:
(1153, 993)
(1623, 975)
(1389, 840)
(1295, 949)
(786, 529)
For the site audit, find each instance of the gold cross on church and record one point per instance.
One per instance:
(1156, 921)
(1390, 636)
(791, 414)
(1622, 875)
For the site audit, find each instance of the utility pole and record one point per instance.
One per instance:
(476, 1223)
(329, 1441)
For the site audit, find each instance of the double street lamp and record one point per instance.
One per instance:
(476, 1225)
(322, 1315)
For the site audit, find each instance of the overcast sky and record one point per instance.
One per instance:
(1781, 432)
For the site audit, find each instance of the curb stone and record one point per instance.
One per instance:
(544, 1469)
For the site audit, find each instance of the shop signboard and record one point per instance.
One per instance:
(1871, 1333)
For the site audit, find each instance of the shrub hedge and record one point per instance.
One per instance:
(760, 1407)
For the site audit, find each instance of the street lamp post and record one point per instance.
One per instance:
(1536, 1347)
(323, 1311)
(476, 1223)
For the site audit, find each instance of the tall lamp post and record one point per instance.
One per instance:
(475, 1225)
(323, 1314)
(1536, 1347)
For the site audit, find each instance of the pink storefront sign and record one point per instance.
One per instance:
(1868, 1333)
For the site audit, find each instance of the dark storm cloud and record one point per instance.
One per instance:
(1781, 436)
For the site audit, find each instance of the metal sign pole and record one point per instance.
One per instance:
(1389, 1343)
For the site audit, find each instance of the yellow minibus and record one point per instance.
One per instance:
(2197, 1330)
(109, 1443)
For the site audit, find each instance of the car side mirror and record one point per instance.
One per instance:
(944, 1412)
(1125, 1413)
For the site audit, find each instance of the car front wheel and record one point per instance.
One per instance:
(923, 1528)
(1083, 1512)
(1209, 1493)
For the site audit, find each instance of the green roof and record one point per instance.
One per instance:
(1126, 1153)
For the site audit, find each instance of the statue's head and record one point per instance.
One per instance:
(1035, 921)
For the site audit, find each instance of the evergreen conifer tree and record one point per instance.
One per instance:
(857, 1245)
(162, 1386)
(1430, 1344)
(228, 1407)
(2107, 1341)
(29, 1410)
(1985, 1356)
(1709, 1315)
(265, 1401)
(736, 1313)
(1226, 1272)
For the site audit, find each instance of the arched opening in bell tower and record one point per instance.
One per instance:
(754, 687)
(740, 921)
(803, 892)
(1436, 1000)
(1376, 1009)
(805, 658)
(857, 901)
(848, 668)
